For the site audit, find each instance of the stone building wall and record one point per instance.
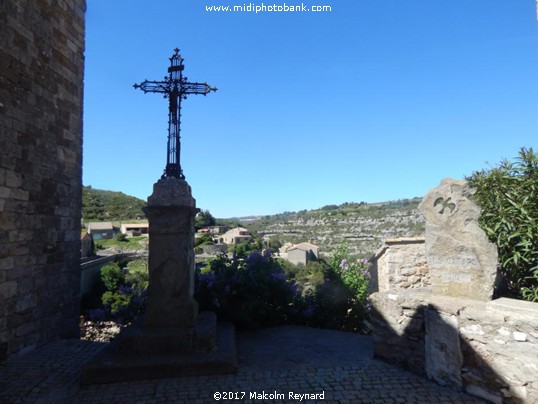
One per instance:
(400, 264)
(41, 85)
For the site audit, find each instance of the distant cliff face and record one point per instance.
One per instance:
(362, 226)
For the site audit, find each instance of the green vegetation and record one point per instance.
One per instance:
(204, 219)
(99, 205)
(123, 292)
(244, 248)
(122, 243)
(251, 292)
(204, 239)
(508, 196)
(307, 277)
(112, 276)
(261, 291)
(137, 274)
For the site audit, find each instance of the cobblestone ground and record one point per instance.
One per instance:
(51, 375)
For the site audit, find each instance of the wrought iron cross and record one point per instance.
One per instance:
(176, 88)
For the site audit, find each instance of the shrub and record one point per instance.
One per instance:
(137, 274)
(257, 292)
(254, 292)
(354, 273)
(125, 292)
(508, 196)
(308, 277)
(120, 237)
(112, 276)
(125, 304)
(352, 276)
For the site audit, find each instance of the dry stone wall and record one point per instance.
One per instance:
(488, 349)
(41, 77)
(450, 331)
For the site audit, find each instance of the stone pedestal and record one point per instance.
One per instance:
(171, 210)
(171, 338)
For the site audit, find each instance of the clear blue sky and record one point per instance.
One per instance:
(376, 100)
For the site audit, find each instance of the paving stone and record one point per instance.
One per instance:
(50, 374)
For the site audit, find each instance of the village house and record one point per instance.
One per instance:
(134, 229)
(212, 230)
(237, 235)
(217, 229)
(302, 253)
(85, 244)
(100, 230)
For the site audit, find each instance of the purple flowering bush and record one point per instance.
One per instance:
(257, 292)
(252, 292)
(125, 304)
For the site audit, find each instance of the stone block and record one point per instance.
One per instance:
(514, 306)
(205, 332)
(7, 263)
(13, 179)
(4, 192)
(443, 353)
(8, 290)
(25, 329)
(137, 340)
(108, 367)
(171, 192)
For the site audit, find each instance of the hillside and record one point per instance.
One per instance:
(100, 205)
(363, 226)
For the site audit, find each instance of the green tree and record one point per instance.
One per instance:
(204, 219)
(204, 239)
(241, 249)
(274, 243)
(112, 276)
(508, 196)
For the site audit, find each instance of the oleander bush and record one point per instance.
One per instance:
(508, 196)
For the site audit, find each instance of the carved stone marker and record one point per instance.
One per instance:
(461, 260)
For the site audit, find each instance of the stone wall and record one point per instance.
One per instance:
(400, 264)
(41, 85)
(488, 349)
(449, 330)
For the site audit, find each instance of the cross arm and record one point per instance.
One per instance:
(153, 86)
(197, 88)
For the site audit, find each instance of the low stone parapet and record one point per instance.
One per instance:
(488, 349)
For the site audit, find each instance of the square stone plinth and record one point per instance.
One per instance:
(138, 353)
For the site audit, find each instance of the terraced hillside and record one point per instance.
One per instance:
(363, 226)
